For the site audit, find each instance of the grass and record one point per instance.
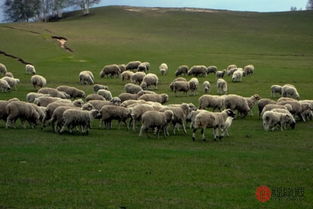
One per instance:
(116, 168)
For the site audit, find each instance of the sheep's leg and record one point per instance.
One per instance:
(134, 123)
(214, 133)
(141, 130)
(184, 127)
(194, 134)
(203, 136)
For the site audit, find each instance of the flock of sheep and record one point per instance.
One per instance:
(67, 108)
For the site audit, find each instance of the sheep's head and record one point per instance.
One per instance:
(78, 103)
(87, 106)
(290, 121)
(143, 85)
(116, 100)
(95, 114)
(169, 114)
(230, 113)
(164, 98)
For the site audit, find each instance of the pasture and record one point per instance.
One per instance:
(116, 168)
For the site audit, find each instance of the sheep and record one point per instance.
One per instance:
(51, 108)
(156, 121)
(263, 102)
(78, 118)
(11, 81)
(270, 107)
(110, 71)
(215, 120)
(161, 98)
(206, 86)
(41, 112)
(9, 74)
(273, 120)
(147, 64)
(3, 69)
(137, 111)
(30, 69)
(142, 92)
(96, 104)
(231, 69)
(46, 100)
(94, 97)
(193, 85)
(237, 75)
(150, 80)
(133, 65)
(236, 102)
(122, 67)
(179, 79)
(128, 96)
(276, 89)
(72, 91)
(54, 93)
(163, 68)
(4, 86)
(86, 77)
(38, 81)
(182, 70)
(127, 75)
(132, 88)
(3, 104)
(211, 101)
(113, 112)
(221, 86)
(105, 93)
(116, 101)
(138, 77)
(192, 115)
(211, 69)
(57, 120)
(289, 90)
(252, 101)
(182, 86)
(31, 96)
(220, 73)
(198, 70)
(248, 70)
(23, 111)
(97, 87)
(143, 67)
(296, 109)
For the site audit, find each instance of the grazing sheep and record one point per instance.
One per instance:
(221, 86)
(289, 90)
(137, 111)
(96, 104)
(3, 105)
(198, 70)
(211, 101)
(128, 96)
(182, 70)
(122, 67)
(270, 107)
(105, 93)
(30, 69)
(51, 108)
(116, 101)
(296, 109)
(3, 69)
(9, 74)
(23, 111)
(263, 102)
(276, 89)
(127, 75)
(57, 120)
(206, 86)
(38, 81)
(227, 125)
(248, 70)
(97, 87)
(252, 101)
(220, 73)
(110, 71)
(4, 86)
(150, 80)
(147, 65)
(143, 67)
(236, 102)
(182, 86)
(11, 81)
(132, 88)
(161, 98)
(54, 93)
(72, 91)
(138, 77)
(215, 120)
(31, 96)
(211, 69)
(193, 85)
(113, 112)
(231, 69)
(163, 68)
(94, 97)
(78, 118)
(192, 116)
(156, 121)
(86, 77)
(273, 120)
(133, 65)
(145, 92)
(237, 75)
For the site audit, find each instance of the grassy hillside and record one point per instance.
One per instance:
(116, 168)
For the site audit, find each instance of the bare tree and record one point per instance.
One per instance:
(85, 5)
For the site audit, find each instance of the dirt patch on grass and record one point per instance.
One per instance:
(14, 57)
(62, 41)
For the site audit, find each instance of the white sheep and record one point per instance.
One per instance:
(31, 96)
(211, 101)
(138, 77)
(198, 70)
(137, 111)
(206, 86)
(132, 88)
(3, 69)
(38, 81)
(277, 120)
(94, 97)
(133, 65)
(289, 90)
(150, 80)
(96, 87)
(248, 70)
(9, 74)
(30, 69)
(72, 91)
(163, 68)
(276, 90)
(161, 98)
(211, 69)
(143, 67)
(237, 75)
(220, 73)
(105, 93)
(4, 86)
(128, 96)
(86, 77)
(231, 69)
(221, 86)
(193, 85)
(182, 86)
(54, 93)
(11, 81)
(182, 70)
(110, 71)
(127, 75)
(236, 102)
(113, 112)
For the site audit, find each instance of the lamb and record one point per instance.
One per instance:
(72, 91)
(156, 121)
(30, 69)
(110, 71)
(150, 80)
(161, 98)
(144, 67)
(211, 101)
(198, 70)
(137, 111)
(248, 70)
(236, 102)
(263, 102)
(23, 111)
(11, 81)
(86, 77)
(182, 86)
(289, 90)
(132, 88)
(128, 96)
(4, 86)
(221, 86)
(9, 74)
(206, 86)
(94, 97)
(211, 69)
(138, 77)
(113, 112)
(38, 81)
(133, 65)
(182, 70)
(54, 93)
(78, 118)
(106, 94)
(273, 120)
(215, 120)
(276, 89)
(220, 73)
(163, 68)
(127, 75)
(97, 87)
(237, 75)
(193, 85)
(3, 69)
(31, 96)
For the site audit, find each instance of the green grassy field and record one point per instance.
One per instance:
(116, 168)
